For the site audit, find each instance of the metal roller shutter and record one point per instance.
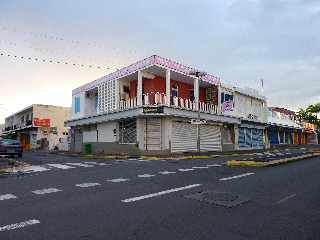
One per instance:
(210, 138)
(153, 130)
(242, 137)
(184, 137)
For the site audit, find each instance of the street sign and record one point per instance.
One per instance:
(198, 121)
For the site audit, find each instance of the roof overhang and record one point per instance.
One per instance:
(144, 64)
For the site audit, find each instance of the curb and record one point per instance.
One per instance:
(236, 163)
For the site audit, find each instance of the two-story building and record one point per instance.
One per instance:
(150, 105)
(39, 127)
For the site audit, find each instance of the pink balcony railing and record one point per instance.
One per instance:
(160, 99)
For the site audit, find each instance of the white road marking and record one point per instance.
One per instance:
(235, 177)
(286, 198)
(166, 173)
(34, 169)
(46, 191)
(146, 175)
(85, 185)
(19, 225)
(60, 166)
(80, 165)
(144, 160)
(213, 165)
(185, 169)
(118, 180)
(134, 199)
(200, 167)
(7, 197)
(98, 164)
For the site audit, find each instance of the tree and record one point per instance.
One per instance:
(309, 115)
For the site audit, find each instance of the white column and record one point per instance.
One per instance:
(117, 94)
(219, 100)
(168, 90)
(139, 89)
(196, 92)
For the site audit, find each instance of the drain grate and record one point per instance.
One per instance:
(224, 199)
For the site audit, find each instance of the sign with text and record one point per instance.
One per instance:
(198, 121)
(37, 122)
(227, 106)
(153, 109)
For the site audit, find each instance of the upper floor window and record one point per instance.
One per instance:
(76, 104)
(226, 97)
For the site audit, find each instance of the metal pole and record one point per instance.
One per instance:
(198, 125)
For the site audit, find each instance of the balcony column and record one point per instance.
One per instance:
(168, 90)
(139, 89)
(219, 100)
(196, 92)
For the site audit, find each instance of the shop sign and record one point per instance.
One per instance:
(198, 121)
(227, 106)
(37, 122)
(149, 110)
(252, 117)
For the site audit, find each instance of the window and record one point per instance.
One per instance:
(226, 97)
(76, 104)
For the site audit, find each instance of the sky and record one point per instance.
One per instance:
(241, 41)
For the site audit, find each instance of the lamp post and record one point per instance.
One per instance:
(198, 75)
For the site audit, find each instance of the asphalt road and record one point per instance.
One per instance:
(146, 200)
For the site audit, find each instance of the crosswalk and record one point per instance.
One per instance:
(52, 190)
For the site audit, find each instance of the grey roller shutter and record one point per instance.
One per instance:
(184, 137)
(153, 134)
(210, 138)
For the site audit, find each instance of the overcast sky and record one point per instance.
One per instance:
(240, 41)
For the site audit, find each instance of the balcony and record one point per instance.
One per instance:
(160, 99)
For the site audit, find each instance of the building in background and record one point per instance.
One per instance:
(39, 127)
(150, 105)
(1, 129)
(285, 128)
(250, 107)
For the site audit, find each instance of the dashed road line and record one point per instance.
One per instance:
(85, 185)
(60, 166)
(46, 191)
(7, 197)
(166, 173)
(34, 169)
(118, 180)
(201, 167)
(19, 225)
(235, 177)
(146, 175)
(134, 199)
(98, 164)
(286, 198)
(213, 165)
(185, 169)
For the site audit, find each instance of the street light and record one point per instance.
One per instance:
(198, 74)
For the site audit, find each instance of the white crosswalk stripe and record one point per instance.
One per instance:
(166, 172)
(85, 185)
(19, 225)
(7, 197)
(118, 180)
(60, 166)
(46, 191)
(146, 175)
(98, 164)
(80, 165)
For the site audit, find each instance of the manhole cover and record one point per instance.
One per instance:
(219, 198)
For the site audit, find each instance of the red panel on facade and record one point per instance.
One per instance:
(158, 84)
(41, 122)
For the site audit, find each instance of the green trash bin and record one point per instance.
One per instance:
(87, 148)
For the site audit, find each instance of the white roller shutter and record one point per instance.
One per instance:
(153, 133)
(184, 137)
(210, 138)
